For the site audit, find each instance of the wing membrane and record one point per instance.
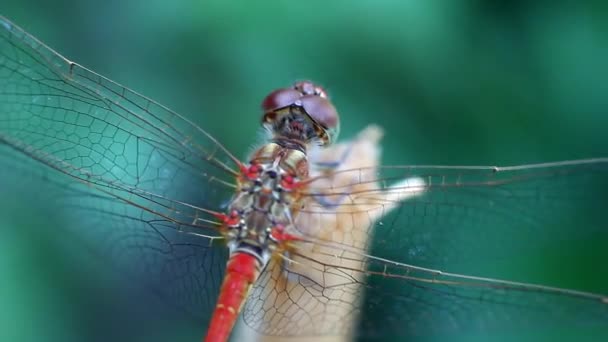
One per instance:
(435, 212)
(415, 245)
(97, 131)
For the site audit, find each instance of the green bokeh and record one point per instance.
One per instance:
(451, 83)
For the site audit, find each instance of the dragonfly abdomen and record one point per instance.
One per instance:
(242, 271)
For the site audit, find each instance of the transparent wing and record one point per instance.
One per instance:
(106, 135)
(136, 182)
(183, 269)
(414, 250)
(437, 211)
(490, 222)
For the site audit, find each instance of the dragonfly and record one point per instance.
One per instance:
(341, 235)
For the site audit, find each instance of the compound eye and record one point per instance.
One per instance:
(320, 110)
(280, 98)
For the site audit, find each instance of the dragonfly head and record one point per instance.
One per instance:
(302, 112)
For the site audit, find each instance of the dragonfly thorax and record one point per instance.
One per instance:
(262, 211)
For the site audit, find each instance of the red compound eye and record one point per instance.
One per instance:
(280, 98)
(287, 96)
(320, 110)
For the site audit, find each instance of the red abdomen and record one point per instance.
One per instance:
(242, 270)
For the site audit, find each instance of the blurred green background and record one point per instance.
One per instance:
(470, 82)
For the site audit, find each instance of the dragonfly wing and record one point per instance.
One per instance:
(103, 134)
(368, 232)
(140, 183)
(476, 221)
(183, 269)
